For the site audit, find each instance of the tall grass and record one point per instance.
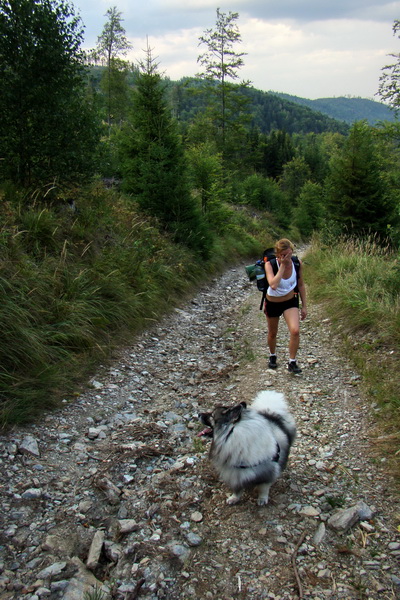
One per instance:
(359, 283)
(74, 285)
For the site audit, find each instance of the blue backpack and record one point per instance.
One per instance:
(257, 273)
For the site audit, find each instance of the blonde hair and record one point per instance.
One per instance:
(282, 245)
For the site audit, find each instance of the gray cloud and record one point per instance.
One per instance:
(311, 48)
(157, 17)
(320, 10)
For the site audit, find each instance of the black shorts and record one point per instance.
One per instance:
(276, 309)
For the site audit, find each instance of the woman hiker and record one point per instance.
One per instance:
(282, 298)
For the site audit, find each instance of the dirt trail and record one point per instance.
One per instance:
(121, 466)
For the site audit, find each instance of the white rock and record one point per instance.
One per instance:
(310, 511)
(127, 525)
(52, 570)
(29, 445)
(32, 494)
(319, 534)
(95, 550)
(344, 518)
(394, 546)
(197, 517)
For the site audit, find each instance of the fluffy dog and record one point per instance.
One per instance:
(250, 446)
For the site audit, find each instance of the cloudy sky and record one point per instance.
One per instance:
(308, 48)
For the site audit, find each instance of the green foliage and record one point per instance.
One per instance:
(74, 285)
(204, 189)
(190, 96)
(266, 195)
(154, 164)
(206, 176)
(43, 135)
(95, 594)
(271, 112)
(112, 42)
(295, 174)
(114, 84)
(359, 283)
(358, 197)
(205, 172)
(66, 291)
(309, 212)
(277, 150)
(315, 152)
(345, 109)
(221, 60)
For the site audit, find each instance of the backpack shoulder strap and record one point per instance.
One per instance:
(296, 263)
(274, 264)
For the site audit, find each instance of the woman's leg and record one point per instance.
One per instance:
(273, 323)
(293, 322)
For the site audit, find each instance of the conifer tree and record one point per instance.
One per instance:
(154, 165)
(358, 198)
(47, 127)
(309, 212)
(221, 63)
(278, 150)
(295, 174)
(111, 44)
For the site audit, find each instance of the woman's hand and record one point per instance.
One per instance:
(303, 314)
(286, 259)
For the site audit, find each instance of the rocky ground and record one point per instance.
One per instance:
(114, 497)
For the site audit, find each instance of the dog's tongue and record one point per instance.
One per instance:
(206, 431)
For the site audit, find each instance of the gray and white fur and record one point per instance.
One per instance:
(250, 446)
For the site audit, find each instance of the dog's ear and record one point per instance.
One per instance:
(237, 410)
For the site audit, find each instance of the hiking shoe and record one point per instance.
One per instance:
(272, 362)
(293, 367)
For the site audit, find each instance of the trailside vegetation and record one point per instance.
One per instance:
(358, 282)
(76, 283)
(121, 191)
(48, 125)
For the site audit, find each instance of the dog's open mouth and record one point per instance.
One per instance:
(207, 432)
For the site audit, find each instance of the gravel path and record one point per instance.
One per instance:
(115, 492)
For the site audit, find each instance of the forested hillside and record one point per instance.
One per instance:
(120, 191)
(346, 109)
(268, 112)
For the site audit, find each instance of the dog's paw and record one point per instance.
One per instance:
(261, 501)
(234, 499)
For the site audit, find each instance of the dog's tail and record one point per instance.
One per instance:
(270, 401)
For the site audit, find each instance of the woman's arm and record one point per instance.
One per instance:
(302, 291)
(274, 280)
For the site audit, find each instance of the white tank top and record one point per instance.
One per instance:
(285, 285)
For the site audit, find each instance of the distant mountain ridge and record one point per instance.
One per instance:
(345, 109)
